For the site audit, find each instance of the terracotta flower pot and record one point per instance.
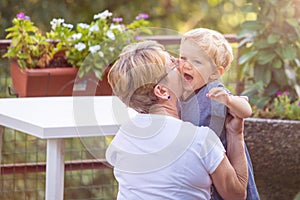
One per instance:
(90, 85)
(56, 82)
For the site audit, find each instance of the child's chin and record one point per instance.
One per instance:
(187, 92)
(187, 87)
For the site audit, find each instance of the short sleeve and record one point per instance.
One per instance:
(212, 152)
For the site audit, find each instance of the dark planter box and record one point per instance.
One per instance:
(274, 148)
(56, 82)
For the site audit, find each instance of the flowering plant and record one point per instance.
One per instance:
(28, 45)
(283, 107)
(88, 46)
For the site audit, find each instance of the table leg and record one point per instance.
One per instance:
(1, 142)
(55, 169)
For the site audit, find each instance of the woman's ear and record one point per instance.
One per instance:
(161, 92)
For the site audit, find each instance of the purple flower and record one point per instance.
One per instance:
(142, 16)
(286, 92)
(298, 103)
(117, 19)
(22, 16)
(138, 38)
(278, 93)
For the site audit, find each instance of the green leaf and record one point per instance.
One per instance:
(293, 22)
(98, 73)
(253, 89)
(277, 64)
(245, 41)
(289, 52)
(265, 57)
(262, 102)
(247, 8)
(272, 88)
(12, 29)
(262, 44)
(12, 35)
(262, 73)
(280, 77)
(251, 25)
(23, 56)
(273, 38)
(246, 57)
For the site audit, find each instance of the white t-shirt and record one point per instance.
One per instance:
(161, 157)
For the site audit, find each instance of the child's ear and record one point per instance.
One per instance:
(219, 72)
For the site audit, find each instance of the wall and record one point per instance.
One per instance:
(274, 148)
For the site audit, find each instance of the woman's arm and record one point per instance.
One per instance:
(238, 105)
(231, 176)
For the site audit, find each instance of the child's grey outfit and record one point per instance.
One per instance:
(202, 111)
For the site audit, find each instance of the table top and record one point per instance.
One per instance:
(64, 117)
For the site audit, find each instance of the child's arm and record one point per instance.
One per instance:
(237, 105)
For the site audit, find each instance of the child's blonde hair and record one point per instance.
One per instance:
(213, 43)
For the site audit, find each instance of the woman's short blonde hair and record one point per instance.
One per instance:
(135, 73)
(213, 43)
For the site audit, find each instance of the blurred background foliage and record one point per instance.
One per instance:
(180, 15)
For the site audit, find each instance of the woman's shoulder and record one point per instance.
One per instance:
(207, 140)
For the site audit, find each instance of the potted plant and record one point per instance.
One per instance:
(69, 59)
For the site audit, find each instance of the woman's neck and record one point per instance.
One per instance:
(165, 109)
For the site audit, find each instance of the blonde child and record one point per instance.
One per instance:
(206, 55)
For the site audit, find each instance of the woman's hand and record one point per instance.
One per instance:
(234, 125)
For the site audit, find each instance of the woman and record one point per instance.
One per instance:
(156, 155)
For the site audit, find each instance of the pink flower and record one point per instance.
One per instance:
(298, 104)
(22, 16)
(142, 16)
(278, 93)
(286, 92)
(117, 19)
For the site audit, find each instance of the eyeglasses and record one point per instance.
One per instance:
(176, 65)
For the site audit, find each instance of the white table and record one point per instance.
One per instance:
(56, 118)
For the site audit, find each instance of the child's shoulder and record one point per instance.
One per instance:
(216, 83)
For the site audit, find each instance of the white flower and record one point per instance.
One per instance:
(100, 53)
(80, 46)
(56, 22)
(83, 25)
(94, 49)
(103, 15)
(94, 28)
(111, 49)
(76, 36)
(110, 35)
(70, 26)
(115, 26)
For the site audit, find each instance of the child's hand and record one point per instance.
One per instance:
(219, 94)
(237, 105)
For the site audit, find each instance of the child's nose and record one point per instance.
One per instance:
(184, 64)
